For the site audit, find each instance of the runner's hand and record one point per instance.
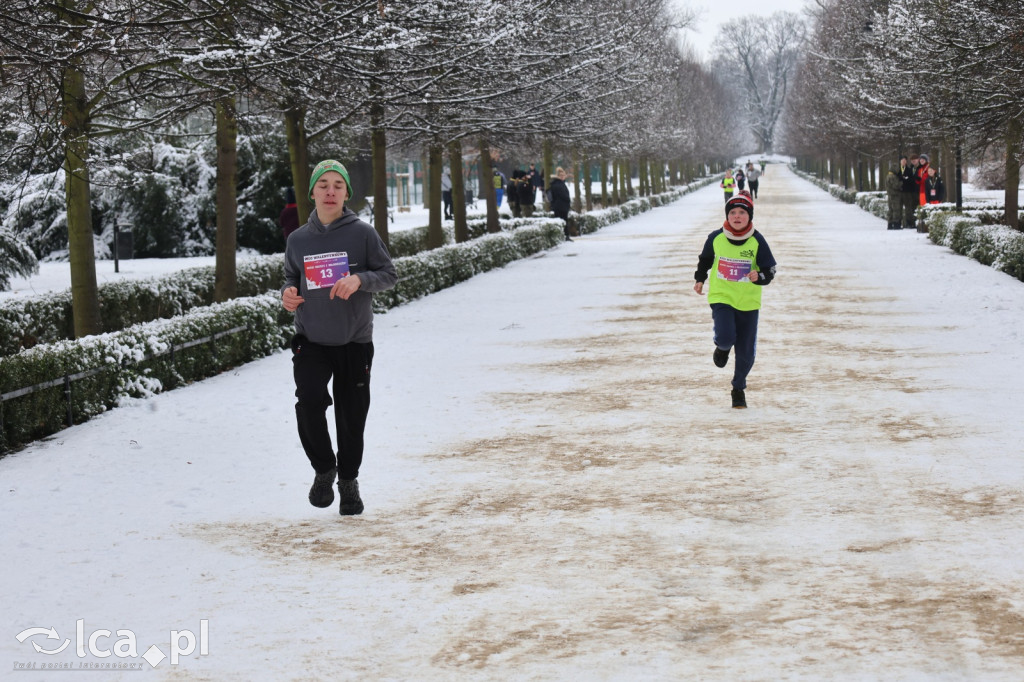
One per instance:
(345, 287)
(291, 299)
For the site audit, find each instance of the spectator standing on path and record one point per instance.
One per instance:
(908, 192)
(446, 193)
(527, 195)
(742, 263)
(922, 175)
(741, 178)
(514, 192)
(333, 264)
(934, 187)
(289, 218)
(560, 200)
(763, 164)
(728, 184)
(753, 178)
(893, 190)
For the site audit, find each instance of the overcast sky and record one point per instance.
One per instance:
(714, 13)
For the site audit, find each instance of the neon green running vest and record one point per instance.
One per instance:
(727, 282)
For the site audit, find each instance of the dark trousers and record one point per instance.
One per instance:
(910, 202)
(736, 329)
(314, 366)
(564, 215)
(753, 187)
(446, 199)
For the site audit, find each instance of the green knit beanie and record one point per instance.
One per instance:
(323, 167)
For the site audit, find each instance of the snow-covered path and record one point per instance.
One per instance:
(557, 488)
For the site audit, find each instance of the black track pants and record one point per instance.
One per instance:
(314, 366)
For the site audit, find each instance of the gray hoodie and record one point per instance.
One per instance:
(315, 257)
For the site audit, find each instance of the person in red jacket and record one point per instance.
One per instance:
(922, 175)
(289, 218)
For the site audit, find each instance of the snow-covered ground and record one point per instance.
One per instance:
(557, 488)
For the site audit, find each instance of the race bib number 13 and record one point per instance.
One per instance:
(324, 269)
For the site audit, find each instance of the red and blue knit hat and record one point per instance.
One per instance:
(741, 200)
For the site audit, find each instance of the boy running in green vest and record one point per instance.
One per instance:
(742, 263)
(728, 184)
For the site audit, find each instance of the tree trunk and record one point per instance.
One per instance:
(948, 170)
(435, 164)
(425, 165)
(644, 187)
(85, 303)
(225, 284)
(587, 190)
(603, 166)
(627, 173)
(615, 183)
(577, 196)
(959, 177)
(458, 191)
(487, 171)
(298, 156)
(1012, 200)
(379, 154)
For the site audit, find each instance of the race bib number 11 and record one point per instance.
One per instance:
(733, 270)
(324, 269)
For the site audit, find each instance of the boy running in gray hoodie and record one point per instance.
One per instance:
(333, 265)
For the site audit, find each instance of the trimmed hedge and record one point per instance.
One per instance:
(47, 318)
(138, 361)
(996, 245)
(437, 269)
(974, 232)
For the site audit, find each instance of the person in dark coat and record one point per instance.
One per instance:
(893, 190)
(536, 179)
(560, 200)
(908, 192)
(513, 193)
(527, 195)
(289, 218)
(934, 187)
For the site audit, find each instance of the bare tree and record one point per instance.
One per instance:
(766, 51)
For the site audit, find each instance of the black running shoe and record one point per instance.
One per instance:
(721, 357)
(351, 503)
(738, 399)
(322, 493)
